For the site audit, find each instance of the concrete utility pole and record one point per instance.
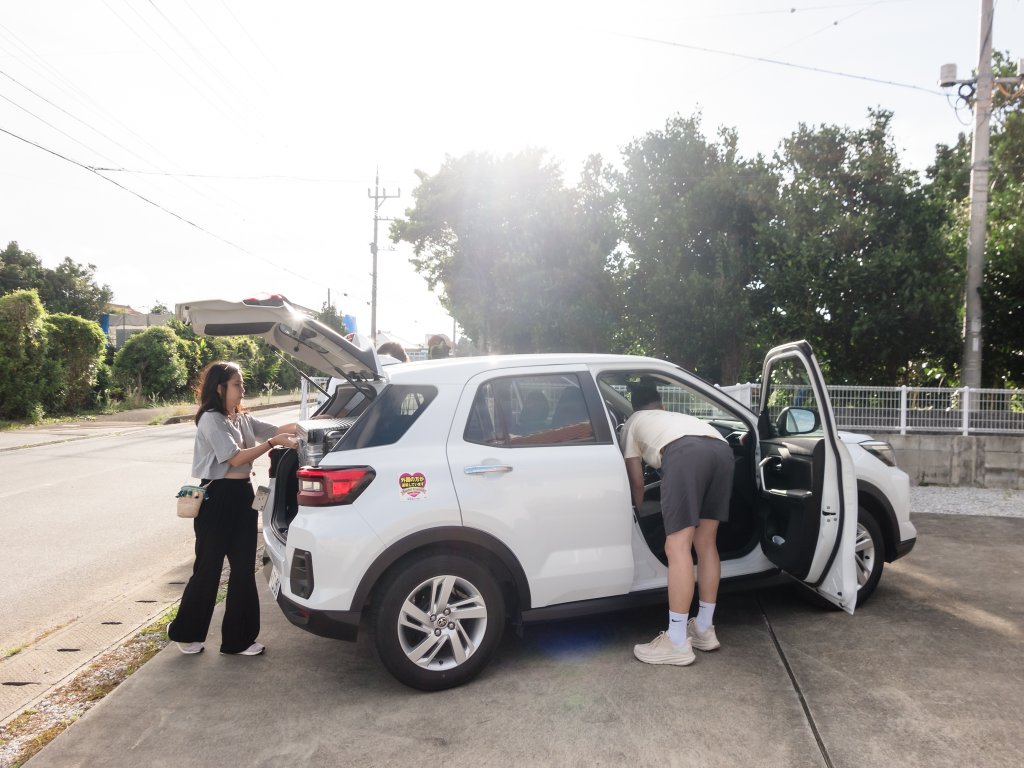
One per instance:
(379, 196)
(979, 204)
(978, 94)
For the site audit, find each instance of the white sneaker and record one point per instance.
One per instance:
(661, 650)
(707, 641)
(253, 650)
(190, 648)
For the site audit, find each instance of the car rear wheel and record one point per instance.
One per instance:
(868, 555)
(439, 621)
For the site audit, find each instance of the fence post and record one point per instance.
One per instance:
(903, 409)
(965, 409)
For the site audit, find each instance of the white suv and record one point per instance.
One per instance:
(445, 498)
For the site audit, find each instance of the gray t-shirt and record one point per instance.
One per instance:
(219, 438)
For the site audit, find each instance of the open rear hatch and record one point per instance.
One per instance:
(286, 328)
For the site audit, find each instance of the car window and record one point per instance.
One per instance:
(389, 416)
(537, 410)
(616, 389)
(791, 405)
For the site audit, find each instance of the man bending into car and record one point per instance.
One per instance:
(696, 466)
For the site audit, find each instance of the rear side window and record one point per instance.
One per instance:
(530, 411)
(389, 417)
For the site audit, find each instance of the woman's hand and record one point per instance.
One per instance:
(286, 439)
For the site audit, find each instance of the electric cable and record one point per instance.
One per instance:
(766, 60)
(155, 204)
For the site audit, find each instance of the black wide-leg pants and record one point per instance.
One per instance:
(225, 527)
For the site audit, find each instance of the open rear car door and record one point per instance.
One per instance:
(286, 328)
(806, 478)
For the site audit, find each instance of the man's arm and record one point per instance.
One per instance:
(635, 473)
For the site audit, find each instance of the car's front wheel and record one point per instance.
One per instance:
(868, 555)
(439, 620)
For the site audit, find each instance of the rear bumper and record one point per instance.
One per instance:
(340, 625)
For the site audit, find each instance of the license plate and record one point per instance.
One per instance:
(262, 494)
(275, 583)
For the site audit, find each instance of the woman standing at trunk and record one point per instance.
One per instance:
(227, 442)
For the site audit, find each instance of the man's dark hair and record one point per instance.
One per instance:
(642, 395)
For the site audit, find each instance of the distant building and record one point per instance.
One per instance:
(121, 321)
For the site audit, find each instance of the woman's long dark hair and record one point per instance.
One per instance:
(212, 377)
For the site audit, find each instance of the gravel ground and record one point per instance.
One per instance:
(944, 500)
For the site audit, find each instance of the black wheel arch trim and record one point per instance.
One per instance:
(435, 538)
(895, 548)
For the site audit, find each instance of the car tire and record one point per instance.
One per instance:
(869, 555)
(439, 621)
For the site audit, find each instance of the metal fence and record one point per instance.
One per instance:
(905, 410)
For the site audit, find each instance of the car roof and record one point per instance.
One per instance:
(457, 370)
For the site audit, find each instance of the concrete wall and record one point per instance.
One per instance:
(984, 461)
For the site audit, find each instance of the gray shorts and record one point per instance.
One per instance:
(696, 482)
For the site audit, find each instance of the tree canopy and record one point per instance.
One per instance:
(71, 288)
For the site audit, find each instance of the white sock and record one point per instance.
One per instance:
(705, 614)
(677, 627)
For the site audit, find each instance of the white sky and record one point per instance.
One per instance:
(287, 109)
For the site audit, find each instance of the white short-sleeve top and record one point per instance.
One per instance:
(220, 437)
(648, 431)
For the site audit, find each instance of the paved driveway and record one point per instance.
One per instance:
(927, 674)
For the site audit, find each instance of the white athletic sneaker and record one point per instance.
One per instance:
(661, 650)
(253, 650)
(190, 648)
(707, 641)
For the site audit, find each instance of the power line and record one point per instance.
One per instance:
(155, 204)
(256, 177)
(765, 60)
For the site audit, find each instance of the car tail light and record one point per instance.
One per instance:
(328, 487)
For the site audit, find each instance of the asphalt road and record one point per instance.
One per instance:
(927, 674)
(87, 519)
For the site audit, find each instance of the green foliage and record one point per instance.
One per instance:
(75, 352)
(691, 214)
(23, 387)
(150, 363)
(70, 288)
(329, 316)
(520, 259)
(854, 260)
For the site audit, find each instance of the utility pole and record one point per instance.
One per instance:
(977, 92)
(379, 196)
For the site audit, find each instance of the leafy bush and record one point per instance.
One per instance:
(23, 387)
(150, 363)
(75, 352)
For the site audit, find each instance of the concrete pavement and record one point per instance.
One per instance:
(927, 674)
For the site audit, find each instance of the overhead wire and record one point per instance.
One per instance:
(155, 204)
(777, 62)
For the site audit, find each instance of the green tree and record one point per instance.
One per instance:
(75, 351)
(23, 387)
(19, 270)
(150, 363)
(854, 259)
(515, 253)
(691, 215)
(72, 288)
(331, 317)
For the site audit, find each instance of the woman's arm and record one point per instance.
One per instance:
(249, 455)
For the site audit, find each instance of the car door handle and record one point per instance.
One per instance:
(487, 469)
(792, 493)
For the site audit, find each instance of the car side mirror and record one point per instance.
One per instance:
(798, 421)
